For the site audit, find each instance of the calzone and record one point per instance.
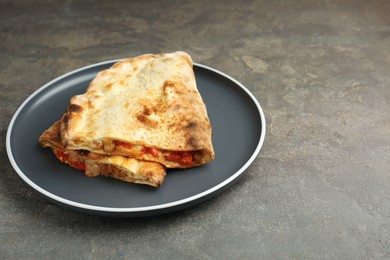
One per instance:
(147, 108)
(116, 166)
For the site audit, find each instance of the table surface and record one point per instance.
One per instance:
(320, 187)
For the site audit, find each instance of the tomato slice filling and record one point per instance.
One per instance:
(150, 150)
(185, 158)
(125, 145)
(180, 157)
(77, 165)
(65, 158)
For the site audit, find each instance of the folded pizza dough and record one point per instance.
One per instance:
(148, 108)
(118, 167)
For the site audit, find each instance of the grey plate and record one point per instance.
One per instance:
(238, 133)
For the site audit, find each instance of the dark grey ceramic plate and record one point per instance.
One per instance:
(238, 133)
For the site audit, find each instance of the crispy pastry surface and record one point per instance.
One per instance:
(150, 101)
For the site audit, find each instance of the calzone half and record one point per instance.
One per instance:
(118, 167)
(148, 108)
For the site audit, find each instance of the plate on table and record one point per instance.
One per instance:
(238, 125)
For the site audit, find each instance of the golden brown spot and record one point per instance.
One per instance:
(90, 133)
(147, 111)
(75, 108)
(192, 125)
(104, 73)
(155, 109)
(122, 82)
(171, 86)
(168, 84)
(77, 141)
(65, 119)
(167, 59)
(142, 118)
(90, 104)
(127, 105)
(118, 64)
(108, 86)
(152, 63)
(192, 141)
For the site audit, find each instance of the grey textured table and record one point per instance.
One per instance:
(320, 187)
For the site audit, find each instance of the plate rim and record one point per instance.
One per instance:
(168, 205)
